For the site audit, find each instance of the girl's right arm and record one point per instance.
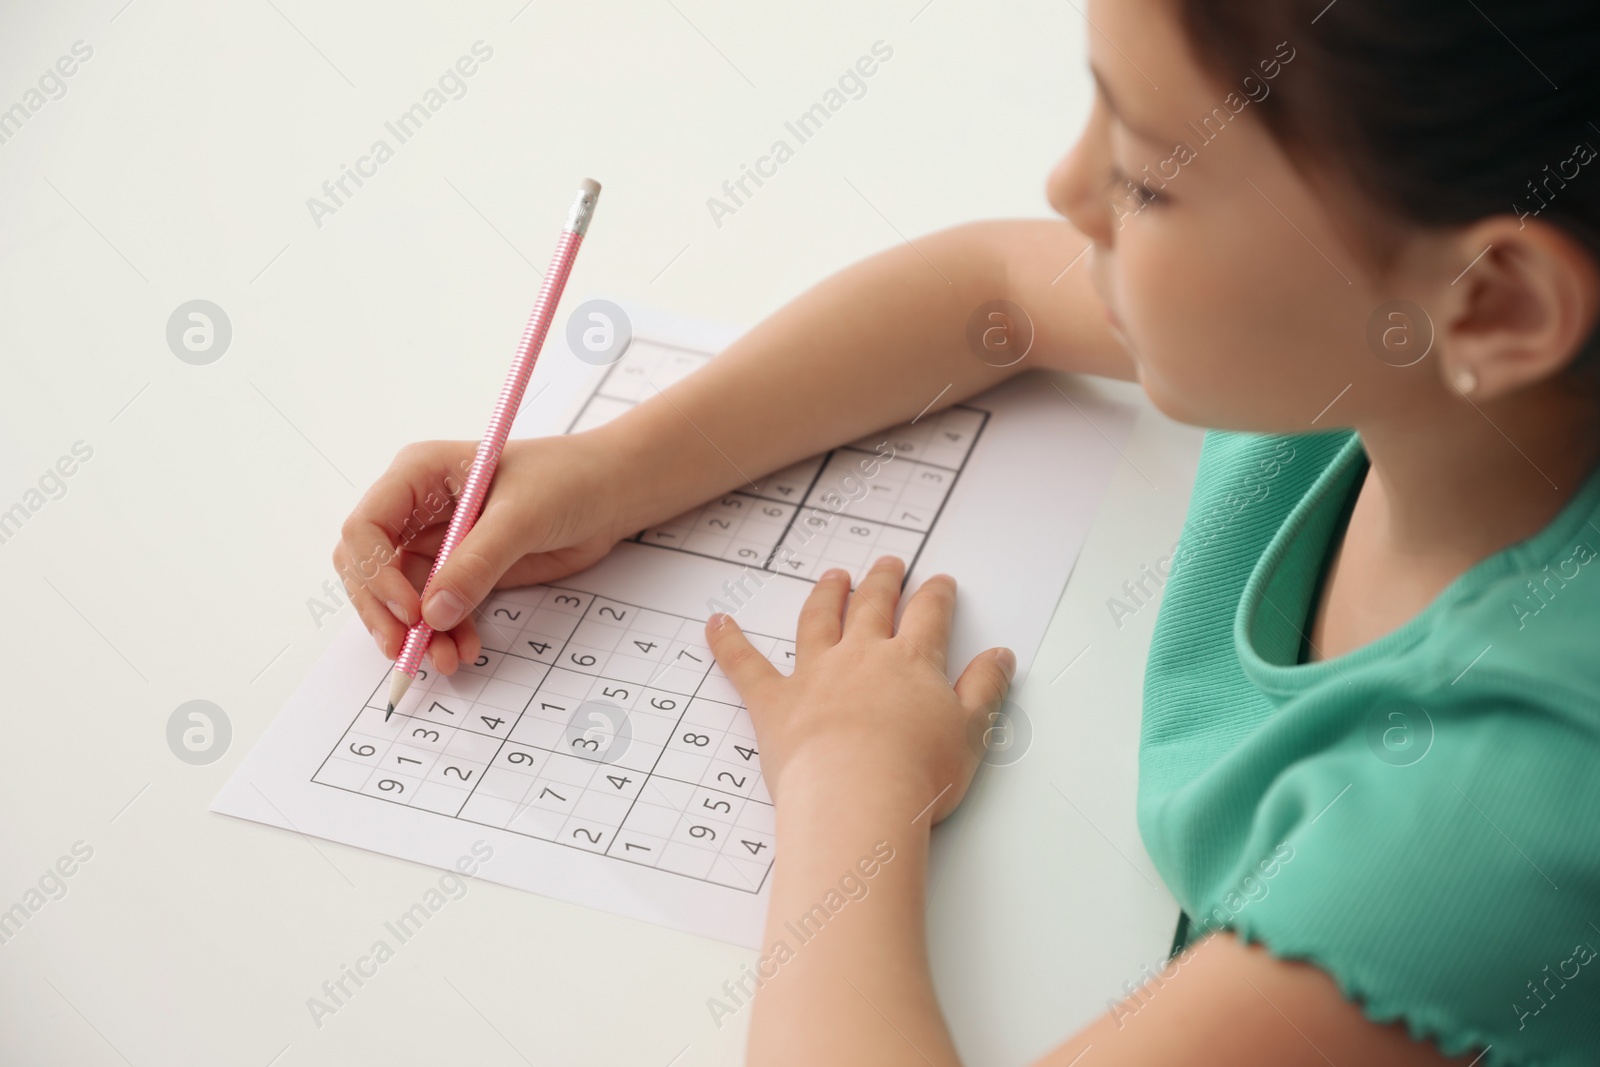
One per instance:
(871, 346)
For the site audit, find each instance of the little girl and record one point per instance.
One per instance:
(1360, 241)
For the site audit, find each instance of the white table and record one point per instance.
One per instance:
(177, 561)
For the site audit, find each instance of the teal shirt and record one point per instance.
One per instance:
(1420, 817)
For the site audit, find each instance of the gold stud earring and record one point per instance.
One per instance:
(1464, 380)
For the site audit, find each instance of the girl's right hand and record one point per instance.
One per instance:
(551, 511)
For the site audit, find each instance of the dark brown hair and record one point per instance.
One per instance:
(1441, 112)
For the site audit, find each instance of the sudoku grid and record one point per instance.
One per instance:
(877, 496)
(585, 722)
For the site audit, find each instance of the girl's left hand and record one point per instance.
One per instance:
(868, 708)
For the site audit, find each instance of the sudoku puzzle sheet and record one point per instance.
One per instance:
(808, 518)
(586, 722)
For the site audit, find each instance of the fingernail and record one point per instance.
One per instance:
(717, 621)
(397, 611)
(835, 572)
(1008, 663)
(885, 561)
(444, 609)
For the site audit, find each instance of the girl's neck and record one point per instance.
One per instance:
(1474, 477)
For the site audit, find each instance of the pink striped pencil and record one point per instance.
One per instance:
(505, 410)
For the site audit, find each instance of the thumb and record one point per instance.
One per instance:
(469, 575)
(986, 678)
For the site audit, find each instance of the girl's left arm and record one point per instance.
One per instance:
(864, 747)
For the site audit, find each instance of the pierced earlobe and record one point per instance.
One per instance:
(1464, 379)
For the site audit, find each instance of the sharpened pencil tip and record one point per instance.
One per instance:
(388, 713)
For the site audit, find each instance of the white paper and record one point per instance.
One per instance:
(596, 747)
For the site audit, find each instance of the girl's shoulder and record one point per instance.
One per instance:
(1420, 818)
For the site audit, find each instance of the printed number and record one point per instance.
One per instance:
(584, 660)
(512, 615)
(664, 703)
(747, 753)
(465, 776)
(609, 610)
(784, 489)
(737, 783)
(481, 661)
(644, 646)
(364, 750)
(723, 523)
(755, 847)
(861, 531)
(574, 601)
(933, 476)
(617, 781)
(731, 502)
(618, 693)
(389, 785)
(703, 831)
(691, 655)
(590, 743)
(540, 647)
(407, 759)
(704, 739)
(441, 707)
(667, 535)
(589, 835)
(547, 791)
(775, 512)
(431, 735)
(749, 553)
(720, 805)
(630, 844)
(493, 724)
(519, 757)
(909, 517)
(952, 435)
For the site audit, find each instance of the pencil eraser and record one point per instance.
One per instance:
(590, 186)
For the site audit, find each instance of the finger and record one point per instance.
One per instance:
(387, 631)
(746, 668)
(464, 634)
(926, 621)
(822, 616)
(414, 492)
(470, 573)
(986, 679)
(442, 652)
(871, 610)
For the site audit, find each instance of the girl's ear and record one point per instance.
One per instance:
(1523, 307)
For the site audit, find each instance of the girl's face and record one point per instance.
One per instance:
(1228, 278)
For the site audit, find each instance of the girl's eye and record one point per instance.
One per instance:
(1140, 191)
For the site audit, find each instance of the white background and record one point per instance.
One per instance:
(179, 563)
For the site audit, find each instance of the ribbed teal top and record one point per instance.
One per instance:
(1419, 818)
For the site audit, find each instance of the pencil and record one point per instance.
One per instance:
(505, 411)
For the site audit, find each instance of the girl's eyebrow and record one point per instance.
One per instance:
(1137, 130)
